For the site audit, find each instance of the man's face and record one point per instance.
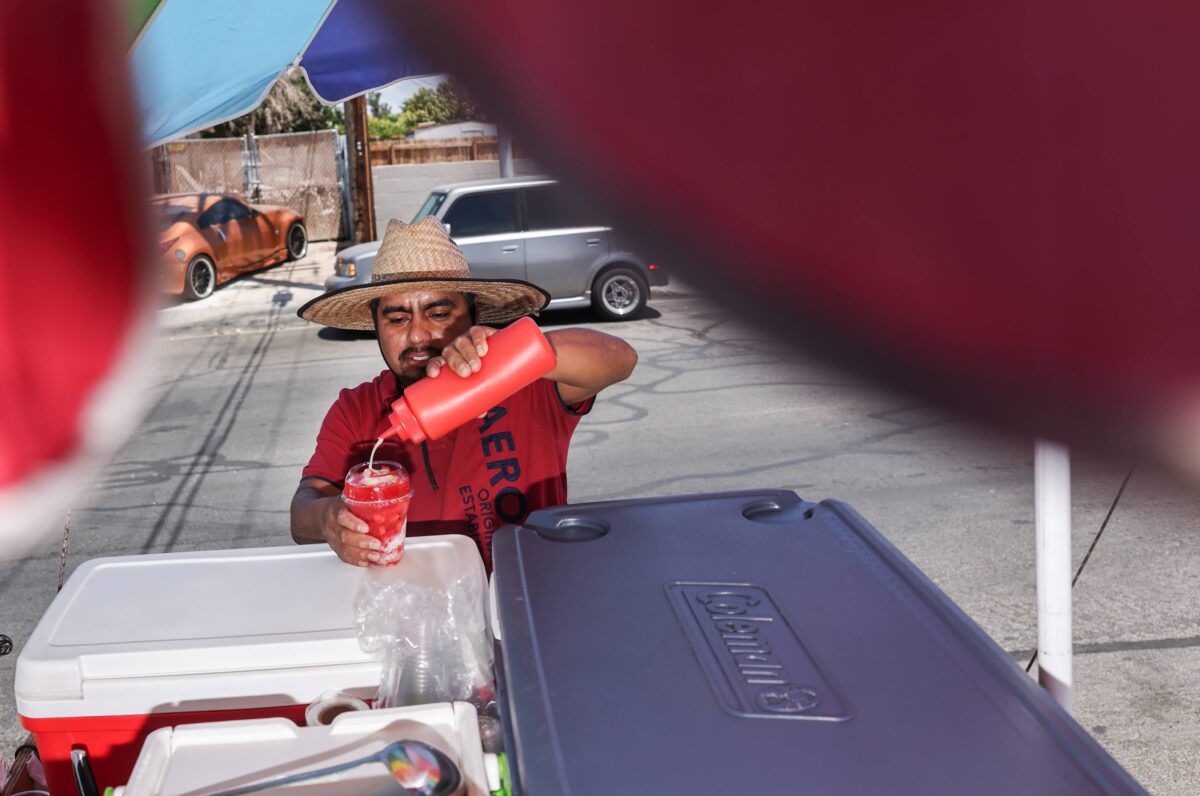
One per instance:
(414, 326)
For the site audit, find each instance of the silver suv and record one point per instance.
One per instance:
(529, 228)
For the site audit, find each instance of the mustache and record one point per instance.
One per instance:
(416, 350)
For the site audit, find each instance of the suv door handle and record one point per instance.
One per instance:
(593, 241)
(509, 249)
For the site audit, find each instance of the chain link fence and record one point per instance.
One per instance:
(301, 171)
(203, 165)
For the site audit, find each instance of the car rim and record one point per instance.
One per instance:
(296, 242)
(201, 278)
(621, 295)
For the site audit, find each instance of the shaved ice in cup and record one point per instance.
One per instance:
(379, 496)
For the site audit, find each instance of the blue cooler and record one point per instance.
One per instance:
(754, 643)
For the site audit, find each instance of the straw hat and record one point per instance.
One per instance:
(421, 256)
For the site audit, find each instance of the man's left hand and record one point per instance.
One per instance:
(463, 353)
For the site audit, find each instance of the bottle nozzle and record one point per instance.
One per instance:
(404, 423)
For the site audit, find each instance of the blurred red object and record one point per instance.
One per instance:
(992, 205)
(71, 294)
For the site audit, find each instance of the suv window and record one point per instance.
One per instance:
(551, 207)
(483, 214)
(432, 204)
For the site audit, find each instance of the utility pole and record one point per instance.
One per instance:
(358, 154)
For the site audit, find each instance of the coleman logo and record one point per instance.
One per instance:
(754, 661)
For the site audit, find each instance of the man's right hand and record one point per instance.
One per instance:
(347, 535)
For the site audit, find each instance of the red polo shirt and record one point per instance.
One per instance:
(485, 473)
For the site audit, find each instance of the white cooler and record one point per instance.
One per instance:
(136, 643)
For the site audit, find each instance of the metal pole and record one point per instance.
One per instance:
(347, 227)
(247, 169)
(504, 149)
(253, 178)
(1052, 501)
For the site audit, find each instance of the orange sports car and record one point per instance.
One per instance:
(208, 238)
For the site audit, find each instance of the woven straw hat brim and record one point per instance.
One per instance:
(496, 300)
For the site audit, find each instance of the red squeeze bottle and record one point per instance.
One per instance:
(432, 408)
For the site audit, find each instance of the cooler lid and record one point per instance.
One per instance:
(214, 612)
(751, 642)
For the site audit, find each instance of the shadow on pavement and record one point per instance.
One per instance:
(342, 335)
(258, 278)
(552, 318)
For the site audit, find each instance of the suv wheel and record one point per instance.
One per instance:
(619, 293)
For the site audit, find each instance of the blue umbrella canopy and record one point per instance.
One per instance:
(197, 63)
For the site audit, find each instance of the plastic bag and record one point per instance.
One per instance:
(433, 640)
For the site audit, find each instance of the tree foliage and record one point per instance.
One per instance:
(447, 103)
(385, 127)
(376, 106)
(290, 107)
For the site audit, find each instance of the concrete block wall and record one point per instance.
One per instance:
(400, 190)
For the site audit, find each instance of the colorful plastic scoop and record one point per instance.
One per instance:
(419, 769)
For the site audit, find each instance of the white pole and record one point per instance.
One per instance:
(1052, 500)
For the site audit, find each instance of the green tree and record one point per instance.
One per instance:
(386, 127)
(429, 106)
(468, 109)
(376, 106)
(290, 107)
(447, 103)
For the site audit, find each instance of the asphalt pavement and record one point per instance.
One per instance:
(714, 405)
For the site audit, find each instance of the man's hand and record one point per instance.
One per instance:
(347, 535)
(588, 361)
(320, 515)
(463, 353)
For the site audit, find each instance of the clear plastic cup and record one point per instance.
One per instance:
(379, 497)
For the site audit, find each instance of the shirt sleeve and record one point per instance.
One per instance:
(335, 442)
(577, 409)
(563, 417)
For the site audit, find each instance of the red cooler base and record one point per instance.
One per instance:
(114, 742)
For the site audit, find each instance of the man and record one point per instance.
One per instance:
(427, 310)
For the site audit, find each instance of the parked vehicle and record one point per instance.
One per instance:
(529, 228)
(206, 239)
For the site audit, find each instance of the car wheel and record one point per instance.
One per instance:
(200, 279)
(619, 293)
(297, 242)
